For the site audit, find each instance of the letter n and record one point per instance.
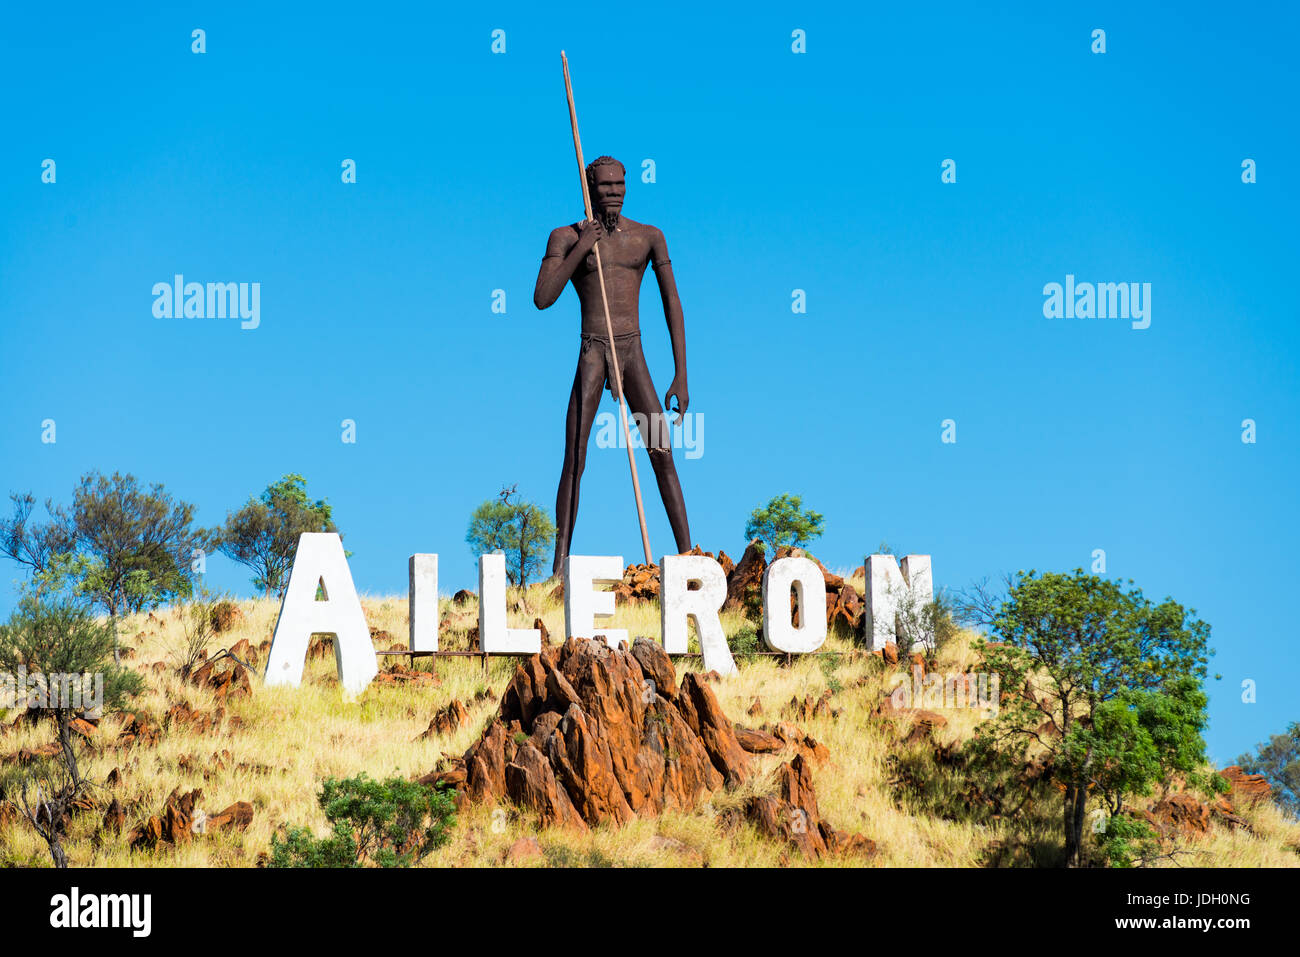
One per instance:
(888, 587)
(320, 561)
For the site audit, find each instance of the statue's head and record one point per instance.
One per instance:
(606, 186)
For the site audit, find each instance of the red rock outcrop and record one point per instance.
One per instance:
(446, 721)
(791, 815)
(1183, 813)
(745, 583)
(180, 820)
(226, 678)
(586, 735)
(1246, 788)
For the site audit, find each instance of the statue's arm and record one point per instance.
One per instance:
(673, 314)
(564, 250)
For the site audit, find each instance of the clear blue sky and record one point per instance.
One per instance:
(775, 171)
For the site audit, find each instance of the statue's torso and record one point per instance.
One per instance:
(624, 256)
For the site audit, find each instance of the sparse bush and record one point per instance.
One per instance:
(829, 663)
(223, 615)
(198, 628)
(923, 624)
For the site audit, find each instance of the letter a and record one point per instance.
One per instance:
(320, 560)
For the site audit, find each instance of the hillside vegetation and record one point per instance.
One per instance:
(273, 747)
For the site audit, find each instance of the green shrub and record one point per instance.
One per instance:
(745, 640)
(1126, 841)
(388, 823)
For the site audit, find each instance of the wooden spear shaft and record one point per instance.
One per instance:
(609, 324)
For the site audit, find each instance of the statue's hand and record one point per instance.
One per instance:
(678, 391)
(593, 230)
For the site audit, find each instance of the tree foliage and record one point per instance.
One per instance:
(141, 541)
(1279, 762)
(390, 823)
(522, 531)
(1104, 686)
(784, 521)
(55, 634)
(263, 535)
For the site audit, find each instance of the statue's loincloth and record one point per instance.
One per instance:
(595, 348)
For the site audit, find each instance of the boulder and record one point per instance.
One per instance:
(640, 584)
(745, 583)
(1184, 814)
(226, 678)
(758, 742)
(114, 817)
(446, 721)
(704, 716)
(237, 817)
(811, 707)
(1246, 788)
(174, 825)
(792, 736)
(137, 729)
(656, 665)
(399, 673)
(524, 849)
(844, 609)
(581, 739)
(791, 815)
(244, 651)
(924, 724)
(224, 616)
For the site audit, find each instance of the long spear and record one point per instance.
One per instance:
(609, 325)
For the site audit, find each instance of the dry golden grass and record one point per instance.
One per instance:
(292, 739)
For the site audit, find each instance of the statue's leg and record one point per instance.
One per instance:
(643, 401)
(584, 400)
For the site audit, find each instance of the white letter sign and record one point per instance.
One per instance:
(678, 602)
(320, 561)
(582, 603)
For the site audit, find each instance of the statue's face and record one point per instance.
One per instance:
(609, 189)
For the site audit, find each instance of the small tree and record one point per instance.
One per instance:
(522, 531)
(141, 542)
(264, 533)
(783, 522)
(54, 634)
(1112, 696)
(381, 823)
(1279, 762)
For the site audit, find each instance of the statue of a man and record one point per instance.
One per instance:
(626, 248)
